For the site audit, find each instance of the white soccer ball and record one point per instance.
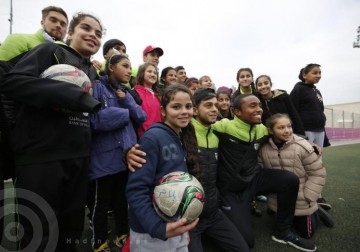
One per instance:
(68, 73)
(178, 195)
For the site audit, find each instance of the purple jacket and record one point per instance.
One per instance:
(113, 129)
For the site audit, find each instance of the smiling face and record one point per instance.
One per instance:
(223, 102)
(181, 76)
(178, 112)
(206, 112)
(55, 24)
(263, 86)
(150, 76)
(249, 110)
(86, 37)
(313, 76)
(205, 82)
(121, 71)
(245, 79)
(170, 77)
(281, 130)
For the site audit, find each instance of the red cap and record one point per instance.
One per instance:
(151, 48)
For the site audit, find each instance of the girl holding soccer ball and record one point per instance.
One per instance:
(170, 146)
(52, 147)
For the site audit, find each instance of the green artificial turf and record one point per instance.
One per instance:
(341, 191)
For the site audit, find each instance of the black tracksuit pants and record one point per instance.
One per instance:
(110, 191)
(236, 206)
(221, 230)
(51, 204)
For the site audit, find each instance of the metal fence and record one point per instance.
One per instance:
(336, 118)
(342, 125)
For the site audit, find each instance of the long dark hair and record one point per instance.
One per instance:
(252, 85)
(306, 70)
(164, 72)
(188, 136)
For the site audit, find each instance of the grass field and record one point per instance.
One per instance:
(341, 191)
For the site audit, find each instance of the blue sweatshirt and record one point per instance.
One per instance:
(164, 154)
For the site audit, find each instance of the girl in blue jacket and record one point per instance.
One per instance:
(113, 131)
(169, 146)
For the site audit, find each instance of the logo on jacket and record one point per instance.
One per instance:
(256, 146)
(170, 152)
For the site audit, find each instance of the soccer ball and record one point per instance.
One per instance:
(68, 73)
(178, 195)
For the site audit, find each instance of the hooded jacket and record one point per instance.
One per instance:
(281, 102)
(308, 102)
(297, 156)
(151, 105)
(113, 129)
(164, 154)
(238, 152)
(52, 122)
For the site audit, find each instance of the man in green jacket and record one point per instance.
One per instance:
(53, 28)
(54, 25)
(240, 177)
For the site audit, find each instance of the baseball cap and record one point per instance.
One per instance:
(202, 94)
(111, 43)
(151, 48)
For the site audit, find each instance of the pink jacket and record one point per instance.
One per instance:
(151, 106)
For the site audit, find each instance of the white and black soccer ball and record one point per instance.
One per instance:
(68, 73)
(178, 195)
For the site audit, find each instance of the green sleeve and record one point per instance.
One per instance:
(220, 126)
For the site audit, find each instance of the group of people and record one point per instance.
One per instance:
(108, 149)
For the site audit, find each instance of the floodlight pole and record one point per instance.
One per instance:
(11, 16)
(357, 40)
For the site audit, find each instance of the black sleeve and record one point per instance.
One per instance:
(294, 116)
(23, 84)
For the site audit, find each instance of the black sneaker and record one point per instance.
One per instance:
(325, 217)
(296, 241)
(322, 202)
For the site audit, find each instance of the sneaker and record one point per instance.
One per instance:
(322, 202)
(325, 217)
(120, 240)
(103, 248)
(296, 241)
(261, 198)
(255, 210)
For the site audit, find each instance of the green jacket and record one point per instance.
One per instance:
(208, 144)
(238, 152)
(19, 43)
